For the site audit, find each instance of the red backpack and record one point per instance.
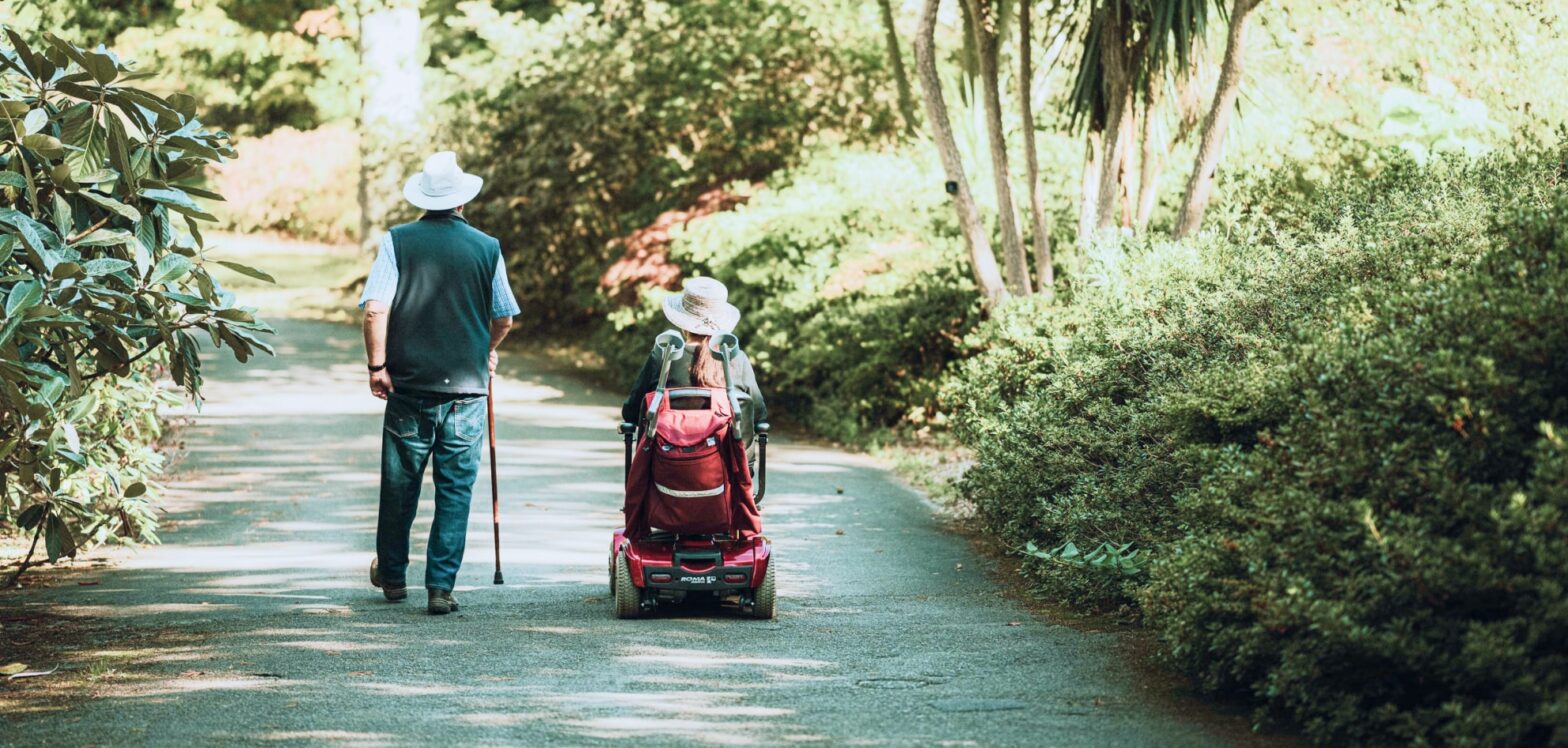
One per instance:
(689, 473)
(691, 482)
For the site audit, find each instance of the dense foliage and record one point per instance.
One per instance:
(853, 288)
(105, 281)
(255, 65)
(1385, 562)
(1307, 432)
(607, 117)
(1089, 417)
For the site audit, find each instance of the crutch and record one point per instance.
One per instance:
(495, 494)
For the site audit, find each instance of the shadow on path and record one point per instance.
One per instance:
(254, 623)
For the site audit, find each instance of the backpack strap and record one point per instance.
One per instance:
(728, 345)
(668, 346)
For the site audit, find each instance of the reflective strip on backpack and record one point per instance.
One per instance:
(690, 494)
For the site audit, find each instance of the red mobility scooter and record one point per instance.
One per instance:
(692, 527)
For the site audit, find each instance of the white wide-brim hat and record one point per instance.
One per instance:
(442, 185)
(702, 307)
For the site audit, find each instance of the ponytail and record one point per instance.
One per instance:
(707, 370)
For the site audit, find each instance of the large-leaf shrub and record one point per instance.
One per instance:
(853, 284)
(1088, 419)
(1386, 563)
(104, 282)
(590, 123)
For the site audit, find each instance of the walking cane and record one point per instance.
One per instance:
(495, 496)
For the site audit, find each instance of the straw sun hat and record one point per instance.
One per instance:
(702, 307)
(442, 185)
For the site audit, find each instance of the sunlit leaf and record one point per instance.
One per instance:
(171, 267)
(23, 296)
(177, 200)
(105, 238)
(35, 121)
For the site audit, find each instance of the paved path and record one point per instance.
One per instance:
(254, 623)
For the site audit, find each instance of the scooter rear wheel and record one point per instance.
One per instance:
(763, 605)
(628, 596)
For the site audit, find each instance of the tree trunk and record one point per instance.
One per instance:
(1093, 154)
(1118, 89)
(389, 108)
(987, 278)
(1149, 159)
(1016, 263)
(1124, 169)
(1045, 275)
(906, 101)
(1200, 184)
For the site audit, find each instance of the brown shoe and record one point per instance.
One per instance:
(441, 603)
(394, 593)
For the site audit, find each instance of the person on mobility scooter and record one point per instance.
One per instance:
(692, 526)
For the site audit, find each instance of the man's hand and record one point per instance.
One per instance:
(493, 359)
(380, 384)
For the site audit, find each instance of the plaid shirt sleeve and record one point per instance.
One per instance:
(503, 303)
(382, 284)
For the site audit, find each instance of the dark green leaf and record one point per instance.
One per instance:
(66, 270)
(102, 67)
(247, 270)
(58, 540)
(31, 516)
(120, 151)
(36, 235)
(47, 146)
(111, 204)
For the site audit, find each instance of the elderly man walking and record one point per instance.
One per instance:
(436, 306)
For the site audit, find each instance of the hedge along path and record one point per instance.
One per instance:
(254, 620)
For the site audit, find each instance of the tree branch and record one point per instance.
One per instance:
(26, 560)
(149, 349)
(78, 236)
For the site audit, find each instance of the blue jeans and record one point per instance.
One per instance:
(417, 428)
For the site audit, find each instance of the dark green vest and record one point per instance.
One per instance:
(438, 332)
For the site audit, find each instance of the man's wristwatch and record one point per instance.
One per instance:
(374, 369)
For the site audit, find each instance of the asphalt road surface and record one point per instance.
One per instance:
(254, 622)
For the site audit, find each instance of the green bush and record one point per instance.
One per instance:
(854, 285)
(1088, 418)
(1386, 563)
(604, 117)
(104, 280)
